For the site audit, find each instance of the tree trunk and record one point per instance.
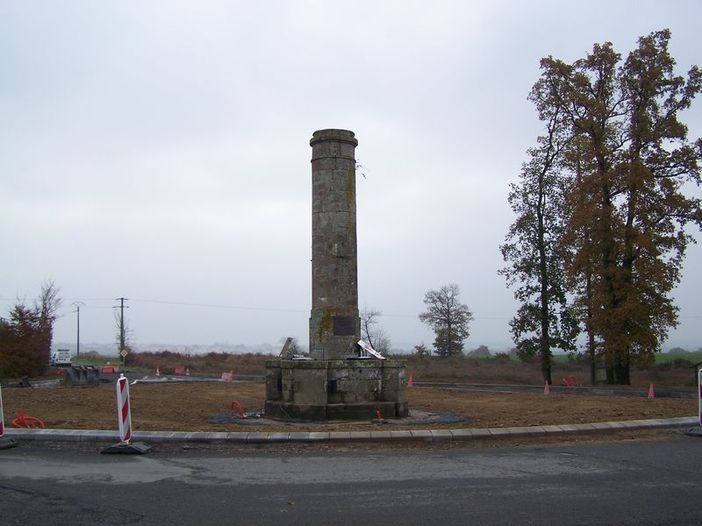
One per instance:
(621, 369)
(591, 349)
(543, 283)
(593, 357)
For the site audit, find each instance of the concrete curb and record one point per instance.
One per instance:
(425, 435)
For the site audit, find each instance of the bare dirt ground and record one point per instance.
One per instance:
(191, 406)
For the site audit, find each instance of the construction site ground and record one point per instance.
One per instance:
(208, 406)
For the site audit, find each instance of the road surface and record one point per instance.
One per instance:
(618, 483)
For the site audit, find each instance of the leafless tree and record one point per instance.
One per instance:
(373, 332)
(448, 317)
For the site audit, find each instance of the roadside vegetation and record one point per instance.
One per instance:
(674, 369)
(26, 335)
(602, 216)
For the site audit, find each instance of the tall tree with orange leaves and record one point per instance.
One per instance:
(628, 159)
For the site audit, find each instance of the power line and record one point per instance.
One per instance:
(217, 306)
(65, 299)
(274, 309)
(266, 309)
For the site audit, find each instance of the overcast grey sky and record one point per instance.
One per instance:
(159, 151)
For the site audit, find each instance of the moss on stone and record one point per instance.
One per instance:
(326, 322)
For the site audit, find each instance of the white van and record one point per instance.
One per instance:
(61, 358)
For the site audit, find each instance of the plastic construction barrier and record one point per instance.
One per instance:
(124, 413)
(124, 422)
(5, 441)
(81, 375)
(27, 421)
(2, 416)
(570, 381)
(238, 407)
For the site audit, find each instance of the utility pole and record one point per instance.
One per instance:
(122, 350)
(77, 305)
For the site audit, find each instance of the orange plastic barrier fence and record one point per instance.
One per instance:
(27, 421)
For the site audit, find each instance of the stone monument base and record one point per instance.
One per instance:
(353, 389)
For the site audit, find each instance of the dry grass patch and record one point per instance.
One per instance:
(188, 406)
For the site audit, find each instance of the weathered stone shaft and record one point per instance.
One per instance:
(335, 325)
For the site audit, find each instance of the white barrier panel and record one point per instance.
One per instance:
(369, 350)
(2, 416)
(124, 415)
(124, 422)
(5, 441)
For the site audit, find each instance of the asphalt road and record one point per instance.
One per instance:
(618, 483)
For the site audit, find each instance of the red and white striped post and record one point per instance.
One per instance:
(5, 441)
(124, 414)
(2, 416)
(124, 422)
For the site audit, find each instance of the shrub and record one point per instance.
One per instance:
(680, 363)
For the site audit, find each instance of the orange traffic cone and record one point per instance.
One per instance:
(547, 388)
(238, 407)
(410, 382)
(187, 371)
(651, 395)
(158, 372)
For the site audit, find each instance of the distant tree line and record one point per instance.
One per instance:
(600, 231)
(25, 337)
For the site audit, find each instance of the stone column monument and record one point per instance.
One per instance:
(337, 381)
(335, 326)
